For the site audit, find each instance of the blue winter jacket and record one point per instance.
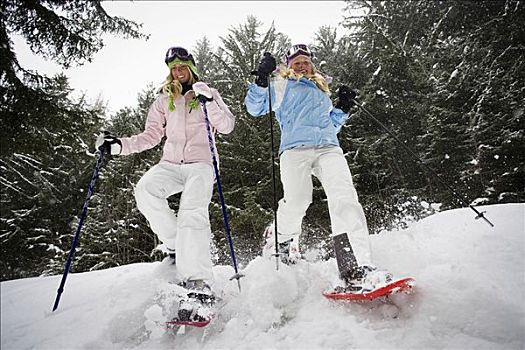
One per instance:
(304, 112)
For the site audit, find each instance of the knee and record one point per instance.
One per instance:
(344, 191)
(144, 193)
(140, 192)
(195, 218)
(345, 201)
(300, 203)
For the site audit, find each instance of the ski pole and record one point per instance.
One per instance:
(100, 160)
(237, 275)
(274, 208)
(479, 214)
(273, 176)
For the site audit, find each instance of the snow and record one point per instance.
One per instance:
(453, 74)
(469, 295)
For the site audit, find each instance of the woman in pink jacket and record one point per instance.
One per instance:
(186, 165)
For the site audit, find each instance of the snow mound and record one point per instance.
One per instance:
(469, 295)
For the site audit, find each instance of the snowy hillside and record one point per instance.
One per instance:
(469, 295)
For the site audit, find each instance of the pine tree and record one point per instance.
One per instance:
(387, 42)
(44, 154)
(245, 154)
(491, 74)
(67, 33)
(439, 77)
(43, 184)
(115, 232)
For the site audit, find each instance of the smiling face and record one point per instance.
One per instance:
(180, 72)
(302, 65)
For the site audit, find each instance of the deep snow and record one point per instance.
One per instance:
(469, 295)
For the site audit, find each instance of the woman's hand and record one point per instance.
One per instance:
(345, 98)
(202, 91)
(109, 142)
(266, 66)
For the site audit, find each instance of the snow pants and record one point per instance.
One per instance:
(329, 165)
(189, 232)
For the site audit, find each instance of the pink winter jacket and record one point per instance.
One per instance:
(185, 130)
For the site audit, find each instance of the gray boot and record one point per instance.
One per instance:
(198, 302)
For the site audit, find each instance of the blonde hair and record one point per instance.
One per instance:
(317, 78)
(173, 87)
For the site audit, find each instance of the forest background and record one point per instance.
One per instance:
(446, 78)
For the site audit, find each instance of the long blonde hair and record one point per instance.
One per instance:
(173, 87)
(317, 78)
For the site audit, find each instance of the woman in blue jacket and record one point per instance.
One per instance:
(309, 145)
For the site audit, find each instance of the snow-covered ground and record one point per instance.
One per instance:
(469, 295)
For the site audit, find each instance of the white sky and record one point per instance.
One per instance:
(123, 68)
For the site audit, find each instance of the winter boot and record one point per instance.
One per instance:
(358, 279)
(197, 304)
(288, 250)
(365, 279)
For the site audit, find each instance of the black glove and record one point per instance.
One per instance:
(110, 143)
(266, 66)
(345, 97)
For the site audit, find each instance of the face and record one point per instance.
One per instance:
(181, 72)
(302, 65)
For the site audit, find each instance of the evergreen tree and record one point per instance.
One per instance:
(205, 59)
(432, 69)
(245, 165)
(116, 233)
(66, 33)
(43, 186)
(485, 83)
(396, 91)
(446, 77)
(44, 153)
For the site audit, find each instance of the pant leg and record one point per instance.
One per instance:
(151, 193)
(296, 177)
(193, 230)
(346, 213)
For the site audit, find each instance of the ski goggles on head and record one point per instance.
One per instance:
(178, 52)
(296, 50)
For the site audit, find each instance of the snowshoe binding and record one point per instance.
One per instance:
(364, 279)
(196, 307)
(361, 282)
(357, 293)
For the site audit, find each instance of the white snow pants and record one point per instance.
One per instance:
(329, 165)
(189, 232)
